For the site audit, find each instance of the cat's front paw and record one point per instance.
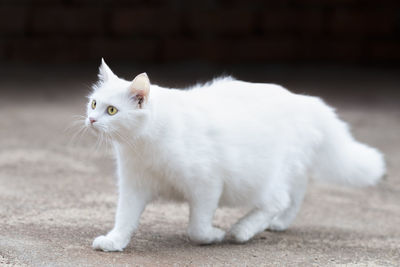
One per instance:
(107, 244)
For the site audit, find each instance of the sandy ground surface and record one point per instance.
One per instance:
(58, 193)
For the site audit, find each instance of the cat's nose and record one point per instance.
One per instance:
(92, 120)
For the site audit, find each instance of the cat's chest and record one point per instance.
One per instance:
(141, 160)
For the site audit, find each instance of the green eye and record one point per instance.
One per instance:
(93, 104)
(112, 110)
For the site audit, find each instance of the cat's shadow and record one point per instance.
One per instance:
(291, 239)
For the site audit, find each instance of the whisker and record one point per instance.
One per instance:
(108, 143)
(79, 116)
(78, 133)
(124, 138)
(96, 146)
(74, 124)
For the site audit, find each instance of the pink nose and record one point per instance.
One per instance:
(92, 120)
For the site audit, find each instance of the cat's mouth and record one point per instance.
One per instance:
(97, 128)
(94, 126)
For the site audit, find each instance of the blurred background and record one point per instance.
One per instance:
(55, 189)
(180, 42)
(219, 31)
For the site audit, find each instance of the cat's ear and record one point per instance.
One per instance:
(140, 88)
(105, 73)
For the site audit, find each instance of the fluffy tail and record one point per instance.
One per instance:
(343, 160)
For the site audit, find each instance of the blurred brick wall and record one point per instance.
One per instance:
(216, 30)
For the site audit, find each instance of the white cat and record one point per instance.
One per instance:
(227, 142)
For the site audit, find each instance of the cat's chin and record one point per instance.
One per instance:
(95, 130)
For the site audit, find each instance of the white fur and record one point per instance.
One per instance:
(228, 142)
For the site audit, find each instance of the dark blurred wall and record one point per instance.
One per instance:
(342, 31)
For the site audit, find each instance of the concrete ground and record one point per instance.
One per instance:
(57, 193)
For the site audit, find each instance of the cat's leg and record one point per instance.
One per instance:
(131, 203)
(202, 209)
(257, 220)
(283, 220)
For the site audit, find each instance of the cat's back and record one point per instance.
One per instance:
(227, 100)
(227, 94)
(229, 88)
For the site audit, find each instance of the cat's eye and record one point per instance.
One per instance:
(111, 110)
(93, 104)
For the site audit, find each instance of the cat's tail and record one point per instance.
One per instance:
(341, 159)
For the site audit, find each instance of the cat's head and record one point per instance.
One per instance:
(118, 107)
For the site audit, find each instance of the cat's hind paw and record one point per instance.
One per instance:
(105, 243)
(214, 235)
(240, 234)
(277, 227)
